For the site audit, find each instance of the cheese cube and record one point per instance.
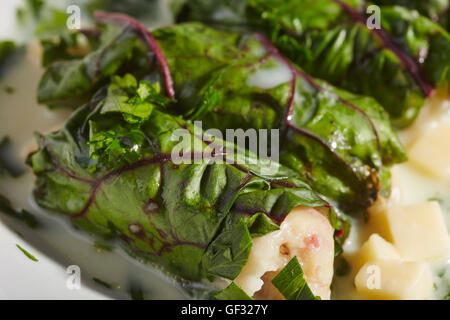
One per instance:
(418, 232)
(431, 152)
(395, 280)
(374, 249)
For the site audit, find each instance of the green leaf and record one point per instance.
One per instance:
(66, 46)
(398, 66)
(71, 82)
(260, 224)
(123, 143)
(227, 254)
(291, 282)
(232, 292)
(135, 101)
(338, 142)
(27, 254)
(142, 9)
(435, 10)
(51, 23)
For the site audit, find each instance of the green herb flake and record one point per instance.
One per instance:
(260, 224)
(292, 284)
(26, 253)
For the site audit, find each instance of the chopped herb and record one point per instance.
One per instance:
(185, 217)
(260, 224)
(26, 253)
(292, 284)
(399, 63)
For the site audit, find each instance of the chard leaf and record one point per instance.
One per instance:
(71, 82)
(51, 22)
(172, 214)
(338, 142)
(232, 292)
(142, 9)
(227, 254)
(260, 224)
(67, 46)
(291, 283)
(138, 107)
(399, 65)
(124, 43)
(322, 133)
(122, 143)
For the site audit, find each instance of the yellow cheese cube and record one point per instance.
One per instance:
(379, 222)
(395, 280)
(431, 151)
(418, 232)
(374, 249)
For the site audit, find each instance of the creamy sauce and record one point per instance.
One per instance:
(411, 186)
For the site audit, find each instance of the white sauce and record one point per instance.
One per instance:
(270, 78)
(415, 187)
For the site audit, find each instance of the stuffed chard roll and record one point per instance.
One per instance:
(340, 143)
(390, 53)
(115, 170)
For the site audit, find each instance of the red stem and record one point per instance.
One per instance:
(149, 40)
